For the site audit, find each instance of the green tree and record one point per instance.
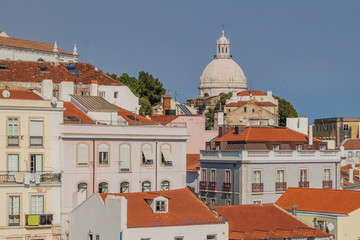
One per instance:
(145, 107)
(285, 109)
(211, 111)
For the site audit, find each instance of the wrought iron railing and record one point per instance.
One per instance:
(36, 141)
(13, 140)
(257, 187)
(14, 220)
(202, 185)
(327, 184)
(280, 186)
(38, 219)
(175, 222)
(304, 184)
(28, 177)
(212, 186)
(227, 187)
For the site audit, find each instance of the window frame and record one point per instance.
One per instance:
(204, 176)
(276, 147)
(8, 208)
(213, 201)
(163, 162)
(120, 169)
(283, 176)
(39, 119)
(160, 206)
(346, 127)
(77, 155)
(307, 174)
(128, 186)
(324, 174)
(8, 129)
(227, 176)
(143, 158)
(98, 155)
(299, 147)
(87, 188)
(253, 175)
(212, 175)
(43, 203)
(107, 186)
(161, 185)
(142, 185)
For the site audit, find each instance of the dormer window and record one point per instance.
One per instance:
(160, 206)
(3, 67)
(43, 68)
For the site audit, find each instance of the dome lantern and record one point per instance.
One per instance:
(223, 47)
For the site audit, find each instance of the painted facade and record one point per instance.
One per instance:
(255, 177)
(30, 177)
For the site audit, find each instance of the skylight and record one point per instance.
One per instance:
(43, 68)
(3, 66)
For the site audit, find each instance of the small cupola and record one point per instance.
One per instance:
(159, 204)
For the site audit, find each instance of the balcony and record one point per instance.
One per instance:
(227, 187)
(304, 184)
(203, 185)
(13, 140)
(14, 220)
(257, 187)
(28, 177)
(36, 141)
(33, 220)
(212, 186)
(280, 186)
(327, 184)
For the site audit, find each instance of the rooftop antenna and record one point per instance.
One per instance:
(176, 95)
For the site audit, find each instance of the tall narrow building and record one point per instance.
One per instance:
(222, 75)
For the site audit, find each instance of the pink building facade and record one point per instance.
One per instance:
(120, 159)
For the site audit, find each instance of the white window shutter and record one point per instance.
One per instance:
(83, 153)
(36, 127)
(124, 156)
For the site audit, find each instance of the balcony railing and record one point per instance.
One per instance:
(304, 184)
(257, 187)
(36, 141)
(212, 186)
(14, 220)
(28, 177)
(202, 185)
(280, 186)
(13, 140)
(327, 184)
(227, 187)
(38, 219)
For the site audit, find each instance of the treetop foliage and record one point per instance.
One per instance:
(285, 109)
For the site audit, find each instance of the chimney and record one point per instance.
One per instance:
(269, 93)
(47, 88)
(65, 90)
(293, 209)
(351, 175)
(166, 99)
(93, 87)
(310, 135)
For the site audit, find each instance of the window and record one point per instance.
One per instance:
(3, 67)
(82, 154)
(97, 237)
(102, 94)
(276, 147)
(245, 109)
(227, 176)
(103, 187)
(228, 202)
(116, 94)
(217, 146)
(350, 154)
(14, 210)
(331, 128)
(160, 206)
(280, 176)
(211, 237)
(203, 175)
(358, 153)
(82, 189)
(124, 187)
(36, 163)
(257, 176)
(37, 204)
(13, 166)
(222, 49)
(55, 93)
(103, 154)
(316, 127)
(203, 199)
(147, 154)
(146, 186)
(253, 110)
(303, 175)
(257, 201)
(125, 157)
(179, 238)
(145, 238)
(83, 93)
(326, 174)
(322, 147)
(166, 157)
(346, 127)
(165, 185)
(213, 201)
(43, 68)
(90, 236)
(212, 175)
(298, 147)
(13, 132)
(36, 132)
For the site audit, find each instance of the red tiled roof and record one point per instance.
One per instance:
(164, 119)
(72, 111)
(21, 94)
(254, 93)
(264, 222)
(184, 208)
(344, 176)
(21, 43)
(352, 144)
(192, 162)
(140, 120)
(26, 71)
(265, 134)
(242, 103)
(320, 200)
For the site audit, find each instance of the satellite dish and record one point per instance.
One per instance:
(6, 94)
(330, 226)
(53, 101)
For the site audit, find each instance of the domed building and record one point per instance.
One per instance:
(222, 75)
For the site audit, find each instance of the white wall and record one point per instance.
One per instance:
(104, 117)
(299, 124)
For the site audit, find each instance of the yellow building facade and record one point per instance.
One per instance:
(30, 176)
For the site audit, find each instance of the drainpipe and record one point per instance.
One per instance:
(156, 144)
(93, 165)
(233, 185)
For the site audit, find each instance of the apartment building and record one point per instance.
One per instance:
(30, 176)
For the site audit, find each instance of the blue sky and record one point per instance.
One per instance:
(304, 51)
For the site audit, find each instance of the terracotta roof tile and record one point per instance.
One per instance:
(132, 118)
(184, 208)
(252, 222)
(351, 144)
(21, 43)
(242, 103)
(72, 111)
(320, 200)
(265, 134)
(164, 119)
(254, 93)
(26, 71)
(21, 94)
(192, 162)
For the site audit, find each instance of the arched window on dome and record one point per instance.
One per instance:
(219, 50)
(226, 50)
(222, 49)
(206, 95)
